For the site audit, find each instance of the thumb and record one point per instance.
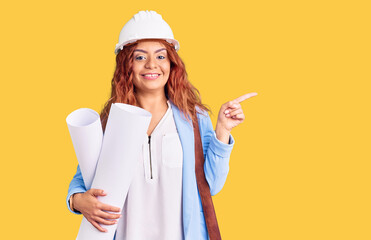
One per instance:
(227, 107)
(98, 192)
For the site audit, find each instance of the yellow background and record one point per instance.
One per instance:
(300, 168)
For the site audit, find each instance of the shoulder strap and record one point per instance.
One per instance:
(203, 187)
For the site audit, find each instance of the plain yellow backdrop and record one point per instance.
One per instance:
(300, 168)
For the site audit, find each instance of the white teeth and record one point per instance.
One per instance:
(151, 75)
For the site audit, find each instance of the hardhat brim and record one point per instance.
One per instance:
(119, 47)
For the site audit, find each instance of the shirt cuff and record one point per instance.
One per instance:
(220, 148)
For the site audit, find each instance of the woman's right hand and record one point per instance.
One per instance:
(93, 210)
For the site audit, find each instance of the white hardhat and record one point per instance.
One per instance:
(145, 25)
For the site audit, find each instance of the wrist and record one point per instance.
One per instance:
(222, 134)
(73, 202)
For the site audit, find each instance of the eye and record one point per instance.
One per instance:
(161, 57)
(139, 57)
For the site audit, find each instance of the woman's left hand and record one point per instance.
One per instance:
(230, 115)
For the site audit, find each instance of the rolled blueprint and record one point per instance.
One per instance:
(86, 132)
(126, 130)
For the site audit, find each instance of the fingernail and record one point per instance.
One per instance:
(234, 105)
(227, 111)
(227, 115)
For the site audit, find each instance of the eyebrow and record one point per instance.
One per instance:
(141, 50)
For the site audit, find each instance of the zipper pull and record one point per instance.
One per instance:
(150, 159)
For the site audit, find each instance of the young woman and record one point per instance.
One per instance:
(163, 201)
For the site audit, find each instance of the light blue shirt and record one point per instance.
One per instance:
(216, 169)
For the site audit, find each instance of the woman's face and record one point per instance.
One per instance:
(151, 67)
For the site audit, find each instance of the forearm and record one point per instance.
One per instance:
(217, 163)
(76, 186)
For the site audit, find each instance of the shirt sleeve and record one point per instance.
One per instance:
(216, 154)
(77, 185)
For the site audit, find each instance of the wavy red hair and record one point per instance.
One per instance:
(177, 89)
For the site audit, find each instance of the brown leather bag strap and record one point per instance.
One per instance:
(203, 187)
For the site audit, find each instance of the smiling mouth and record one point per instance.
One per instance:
(150, 76)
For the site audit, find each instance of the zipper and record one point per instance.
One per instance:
(150, 159)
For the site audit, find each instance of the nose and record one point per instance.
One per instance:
(150, 64)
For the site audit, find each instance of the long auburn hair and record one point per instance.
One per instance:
(177, 89)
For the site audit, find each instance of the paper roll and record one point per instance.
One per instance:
(124, 135)
(86, 132)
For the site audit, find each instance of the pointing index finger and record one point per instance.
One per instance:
(246, 96)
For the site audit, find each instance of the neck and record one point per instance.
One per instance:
(152, 102)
